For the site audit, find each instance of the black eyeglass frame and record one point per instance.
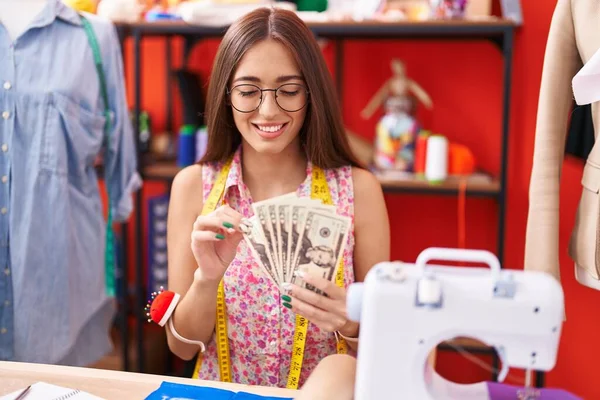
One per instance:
(262, 97)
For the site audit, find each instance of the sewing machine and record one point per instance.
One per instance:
(406, 310)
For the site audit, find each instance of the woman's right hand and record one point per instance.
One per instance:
(215, 238)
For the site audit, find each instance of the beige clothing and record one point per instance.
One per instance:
(573, 39)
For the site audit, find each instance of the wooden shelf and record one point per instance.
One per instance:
(162, 170)
(476, 185)
(488, 27)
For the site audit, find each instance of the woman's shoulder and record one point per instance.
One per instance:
(368, 193)
(363, 179)
(188, 183)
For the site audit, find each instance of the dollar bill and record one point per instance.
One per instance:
(319, 245)
(264, 219)
(256, 242)
(290, 232)
(283, 227)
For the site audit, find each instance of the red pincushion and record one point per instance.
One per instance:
(161, 306)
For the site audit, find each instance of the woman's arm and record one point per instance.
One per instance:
(194, 317)
(371, 232)
(371, 223)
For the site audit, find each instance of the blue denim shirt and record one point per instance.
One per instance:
(53, 306)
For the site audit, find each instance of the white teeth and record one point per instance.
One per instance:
(270, 128)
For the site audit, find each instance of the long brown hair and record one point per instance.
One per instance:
(322, 134)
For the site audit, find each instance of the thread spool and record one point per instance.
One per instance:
(436, 164)
(186, 154)
(421, 153)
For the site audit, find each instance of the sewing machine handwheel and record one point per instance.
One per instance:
(466, 255)
(354, 298)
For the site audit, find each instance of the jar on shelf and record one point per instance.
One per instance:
(448, 9)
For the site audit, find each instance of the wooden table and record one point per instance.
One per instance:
(107, 384)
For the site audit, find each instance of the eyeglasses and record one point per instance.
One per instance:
(290, 97)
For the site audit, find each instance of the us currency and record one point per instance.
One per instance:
(318, 249)
(272, 210)
(298, 217)
(258, 246)
(262, 213)
(284, 219)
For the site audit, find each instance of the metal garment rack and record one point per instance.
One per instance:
(497, 31)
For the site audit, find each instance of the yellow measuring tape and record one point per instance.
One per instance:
(319, 190)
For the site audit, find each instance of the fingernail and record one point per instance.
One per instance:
(220, 236)
(299, 274)
(227, 225)
(244, 229)
(286, 298)
(286, 286)
(287, 305)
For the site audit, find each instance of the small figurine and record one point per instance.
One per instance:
(398, 128)
(449, 9)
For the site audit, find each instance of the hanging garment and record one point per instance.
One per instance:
(53, 303)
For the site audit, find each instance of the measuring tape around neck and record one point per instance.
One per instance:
(319, 190)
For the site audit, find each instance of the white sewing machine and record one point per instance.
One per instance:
(406, 310)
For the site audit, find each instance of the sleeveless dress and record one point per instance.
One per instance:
(260, 328)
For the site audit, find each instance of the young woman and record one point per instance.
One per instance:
(273, 112)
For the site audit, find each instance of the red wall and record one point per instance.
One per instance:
(465, 83)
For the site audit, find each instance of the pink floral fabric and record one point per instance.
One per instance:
(260, 329)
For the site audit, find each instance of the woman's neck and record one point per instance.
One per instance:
(271, 175)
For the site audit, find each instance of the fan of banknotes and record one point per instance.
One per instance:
(290, 233)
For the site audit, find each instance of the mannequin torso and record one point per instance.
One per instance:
(573, 40)
(16, 15)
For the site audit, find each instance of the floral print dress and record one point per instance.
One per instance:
(260, 328)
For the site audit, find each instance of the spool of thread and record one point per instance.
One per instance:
(201, 142)
(421, 153)
(436, 165)
(186, 154)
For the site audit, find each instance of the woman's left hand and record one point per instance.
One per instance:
(326, 312)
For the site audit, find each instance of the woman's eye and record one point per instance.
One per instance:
(246, 94)
(287, 93)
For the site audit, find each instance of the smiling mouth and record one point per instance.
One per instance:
(270, 131)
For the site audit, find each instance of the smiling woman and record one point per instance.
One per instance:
(275, 129)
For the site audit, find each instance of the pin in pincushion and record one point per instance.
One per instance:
(161, 306)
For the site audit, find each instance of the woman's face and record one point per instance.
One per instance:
(270, 128)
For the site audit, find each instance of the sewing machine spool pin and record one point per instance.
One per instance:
(405, 310)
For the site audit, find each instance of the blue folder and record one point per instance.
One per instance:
(169, 390)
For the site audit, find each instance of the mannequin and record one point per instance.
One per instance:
(572, 42)
(16, 15)
(54, 122)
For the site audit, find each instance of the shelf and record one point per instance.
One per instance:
(480, 28)
(161, 170)
(477, 185)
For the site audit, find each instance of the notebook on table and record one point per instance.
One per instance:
(46, 391)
